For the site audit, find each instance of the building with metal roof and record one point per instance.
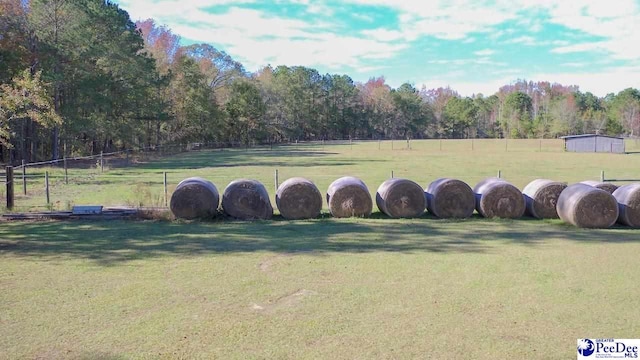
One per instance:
(594, 143)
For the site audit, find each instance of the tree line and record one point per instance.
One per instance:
(79, 77)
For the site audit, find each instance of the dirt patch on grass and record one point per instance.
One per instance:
(285, 301)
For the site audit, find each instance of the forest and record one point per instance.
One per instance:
(80, 77)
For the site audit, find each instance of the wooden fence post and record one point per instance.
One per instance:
(101, 162)
(46, 186)
(24, 178)
(276, 179)
(9, 183)
(165, 189)
(66, 171)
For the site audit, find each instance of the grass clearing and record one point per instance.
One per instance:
(373, 162)
(324, 288)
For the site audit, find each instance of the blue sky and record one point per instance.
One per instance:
(471, 46)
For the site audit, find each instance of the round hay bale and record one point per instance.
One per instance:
(245, 199)
(194, 198)
(349, 197)
(588, 207)
(450, 198)
(298, 198)
(541, 196)
(608, 187)
(498, 198)
(400, 198)
(628, 197)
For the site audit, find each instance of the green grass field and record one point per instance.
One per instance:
(142, 185)
(324, 288)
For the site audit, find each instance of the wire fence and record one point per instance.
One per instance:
(35, 183)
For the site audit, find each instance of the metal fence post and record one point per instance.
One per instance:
(9, 183)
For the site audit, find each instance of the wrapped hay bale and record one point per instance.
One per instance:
(498, 198)
(349, 197)
(400, 198)
(450, 198)
(298, 198)
(628, 197)
(608, 187)
(541, 198)
(194, 198)
(588, 207)
(246, 199)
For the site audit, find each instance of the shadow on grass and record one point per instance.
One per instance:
(251, 157)
(114, 242)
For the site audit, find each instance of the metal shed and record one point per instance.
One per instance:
(594, 143)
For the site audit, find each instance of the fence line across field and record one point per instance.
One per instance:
(9, 177)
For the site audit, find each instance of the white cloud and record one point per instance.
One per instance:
(257, 39)
(328, 50)
(366, 69)
(600, 84)
(616, 23)
(574, 64)
(484, 52)
(468, 88)
(579, 48)
(609, 81)
(383, 34)
(523, 40)
(467, 62)
(445, 19)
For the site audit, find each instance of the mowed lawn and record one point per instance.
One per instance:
(324, 288)
(519, 161)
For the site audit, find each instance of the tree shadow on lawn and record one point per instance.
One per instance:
(113, 242)
(237, 157)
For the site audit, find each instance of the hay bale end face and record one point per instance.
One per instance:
(194, 198)
(608, 187)
(498, 198)
(587, 207)
(541, 198)
(400, 198)
(450, 198)
(349, 197)
(628, 197)
(245, 199)
(298, 198)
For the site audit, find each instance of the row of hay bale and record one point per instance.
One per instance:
(584, 204)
